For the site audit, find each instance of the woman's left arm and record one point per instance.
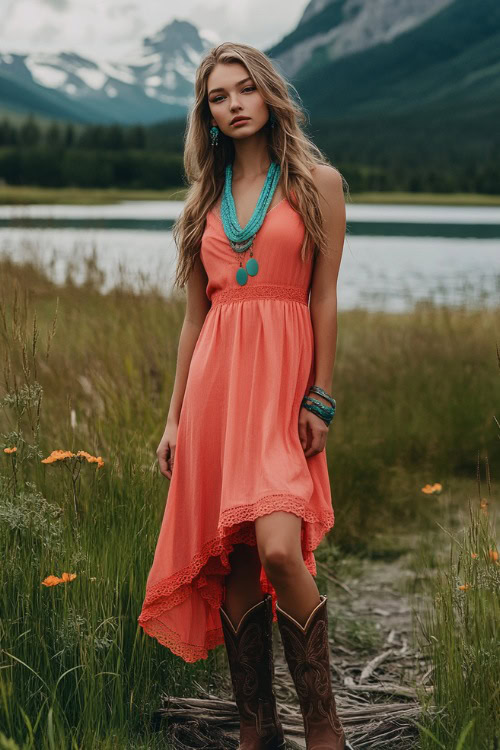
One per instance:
(323, 304)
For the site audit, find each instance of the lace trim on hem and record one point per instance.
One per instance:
(212, 562)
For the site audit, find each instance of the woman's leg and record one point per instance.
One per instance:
(243, 582)
(307, 650)
(278, 543)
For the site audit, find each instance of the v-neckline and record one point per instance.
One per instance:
(216, 210)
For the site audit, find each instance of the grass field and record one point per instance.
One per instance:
(417, 399)
(11, 195)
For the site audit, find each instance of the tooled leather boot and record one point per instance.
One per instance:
(250, 655)
(307, 653)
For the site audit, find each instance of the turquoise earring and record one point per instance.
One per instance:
(214, 133)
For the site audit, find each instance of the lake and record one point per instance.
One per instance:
(394, 255)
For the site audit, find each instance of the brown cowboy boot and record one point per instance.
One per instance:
(307, 654)
(250, 655)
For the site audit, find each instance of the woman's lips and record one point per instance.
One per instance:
(240, 122)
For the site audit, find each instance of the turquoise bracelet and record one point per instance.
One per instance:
(326, 413)
(321, 392)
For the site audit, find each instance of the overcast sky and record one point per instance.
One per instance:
(109, 29)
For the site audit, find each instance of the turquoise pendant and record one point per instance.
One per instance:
(241, 276)
(252, 267)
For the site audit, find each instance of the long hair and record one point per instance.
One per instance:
(205, 165)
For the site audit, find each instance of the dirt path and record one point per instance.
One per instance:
(375, 660)
(376, 664)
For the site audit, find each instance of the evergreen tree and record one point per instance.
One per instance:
(53, 136)
(69, 135)
(30, 134)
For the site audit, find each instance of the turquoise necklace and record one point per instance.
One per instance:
(240, 239)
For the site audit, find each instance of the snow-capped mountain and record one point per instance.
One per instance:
(360, 58)
(154, 83)
(343, 27)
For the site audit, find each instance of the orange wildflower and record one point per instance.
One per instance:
(10, 450)
(60, 455)
(493, 555)
(57, 455)
(92, 459)
(432, 489)
(484, 505)
(54, 580)
(464, 586)
(473, 554)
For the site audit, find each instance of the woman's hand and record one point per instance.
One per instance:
(313, 432)
(166, 450)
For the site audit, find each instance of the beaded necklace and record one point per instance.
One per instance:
(240, 239)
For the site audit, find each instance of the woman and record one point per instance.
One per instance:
(249, 500)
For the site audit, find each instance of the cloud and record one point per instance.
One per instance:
(58, 5)
(111, 29)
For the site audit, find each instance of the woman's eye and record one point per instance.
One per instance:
(252, 88)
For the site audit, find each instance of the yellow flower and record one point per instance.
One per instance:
(54, 580)
(10, 450)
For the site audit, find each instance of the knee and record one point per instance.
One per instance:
(279, 561)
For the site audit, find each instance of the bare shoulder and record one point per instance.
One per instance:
(327, 179)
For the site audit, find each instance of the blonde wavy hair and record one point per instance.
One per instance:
(205, 165)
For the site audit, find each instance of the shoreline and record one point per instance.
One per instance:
(30, 195)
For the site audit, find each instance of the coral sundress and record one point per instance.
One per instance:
(238, 454)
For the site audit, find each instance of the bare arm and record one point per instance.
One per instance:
(197, 308)
(323, 306)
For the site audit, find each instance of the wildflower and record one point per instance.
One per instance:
(474, 555)
(493, 555)
(54, 580)
(432, 489)
(92, 459)
(10, 450)
(60, 455)
(484, 505)
(57, 455)
(464, 586)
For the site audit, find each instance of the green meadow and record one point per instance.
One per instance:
(417, 408)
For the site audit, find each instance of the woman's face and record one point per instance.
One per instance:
(235, 95)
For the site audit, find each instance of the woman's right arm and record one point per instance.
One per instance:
(197, 307)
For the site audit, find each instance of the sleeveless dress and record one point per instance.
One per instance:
(238, 454)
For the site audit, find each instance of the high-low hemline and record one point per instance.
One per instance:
(205, 574)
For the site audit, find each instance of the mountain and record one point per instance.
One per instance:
(427, 64)
(338, 28)
(155, 83)
(449, 62)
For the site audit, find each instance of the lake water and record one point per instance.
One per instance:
(393, 255)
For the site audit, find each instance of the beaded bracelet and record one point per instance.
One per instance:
(326, 413)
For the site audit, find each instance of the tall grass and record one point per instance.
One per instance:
(75, 668)
(459, 635)
(89, 371)
(458, 630)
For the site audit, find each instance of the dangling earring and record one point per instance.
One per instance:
(214, 132)
(272, 117)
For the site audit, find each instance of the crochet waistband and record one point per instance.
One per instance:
(260, 291)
